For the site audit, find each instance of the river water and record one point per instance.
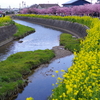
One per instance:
(43, 38)
(40, 82)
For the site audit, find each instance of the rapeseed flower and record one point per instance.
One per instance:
(30, 98)
(56, 71)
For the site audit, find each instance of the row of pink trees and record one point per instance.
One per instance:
(88, 9)
(0, 12)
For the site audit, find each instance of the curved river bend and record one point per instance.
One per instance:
(43, 38)
(40, 82)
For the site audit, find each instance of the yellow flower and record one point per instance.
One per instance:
(64, 95)
(53, 76)
(30, 98)
(76, 92)
(96, 99)
(73, 99)
(56, 71)
(60, 96)
(53, 84)
(59, 78)
(62, 70)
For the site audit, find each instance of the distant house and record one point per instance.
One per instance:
(43, 6)
(34, 6)
(75, 3)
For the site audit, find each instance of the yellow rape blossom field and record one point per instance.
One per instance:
(30, 98)
(4, 21)
(82, 80)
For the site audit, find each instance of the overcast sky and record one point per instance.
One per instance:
(18, 3)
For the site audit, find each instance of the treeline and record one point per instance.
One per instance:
(88, 9)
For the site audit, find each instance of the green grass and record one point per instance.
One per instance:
(71, 43)
(22, 30)
(19, 64)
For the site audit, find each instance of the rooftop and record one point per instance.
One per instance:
(71, 1)
(47, 5)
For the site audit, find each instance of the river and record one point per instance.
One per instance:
(40, 82)
(43, 38)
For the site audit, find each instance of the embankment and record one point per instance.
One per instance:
(78, 30)
(6, 34)
(75, 29)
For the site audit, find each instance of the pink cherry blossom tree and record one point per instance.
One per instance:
(0, 12)
(96, 8)
(53, 9)
(88, 9)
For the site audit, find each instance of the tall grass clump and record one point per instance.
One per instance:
(22, 30)
(18, 65)
(71, 43)
(5, 21)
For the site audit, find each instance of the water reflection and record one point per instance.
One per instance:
(43, 38)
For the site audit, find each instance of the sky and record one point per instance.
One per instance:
(18, 3)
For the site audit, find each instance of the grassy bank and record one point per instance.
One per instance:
(22, 31)
(71, 43)
(17, 65)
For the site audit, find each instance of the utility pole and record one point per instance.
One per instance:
(22, 4)
(19, 6)
(91, 1)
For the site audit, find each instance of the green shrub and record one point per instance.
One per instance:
(71, 43)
